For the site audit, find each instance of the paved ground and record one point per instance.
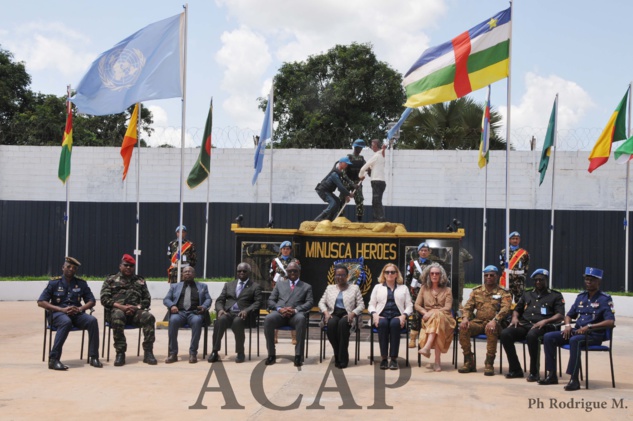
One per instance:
(137, 391)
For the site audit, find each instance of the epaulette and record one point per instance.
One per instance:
(554, 290)
(56, 278)
(477, 287)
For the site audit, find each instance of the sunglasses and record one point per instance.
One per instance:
(128, 265)
(390, 272)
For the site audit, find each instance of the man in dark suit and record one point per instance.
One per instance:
(236, 306)
(288, 303)
(188, 302)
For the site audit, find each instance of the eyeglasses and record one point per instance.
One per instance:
(292, 270)
(435, 273)
(390, 272)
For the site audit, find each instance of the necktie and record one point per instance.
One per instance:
(292, 285)
(238, 291)
(187, 303)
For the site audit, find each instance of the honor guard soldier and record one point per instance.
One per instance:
(414, 271)
(513, 278)
(534, 315)
(592, 309)
(188, 254)
(352, 180)
(484, 312)
(278, 272)
(62, 298)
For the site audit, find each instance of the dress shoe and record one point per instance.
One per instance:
(384, 365)
(119, 361)
(393, 365)
(149, 358)
(573, 384)
(532, 378)
(193, 358)
(550, 379)
(514, 375)
(94, 361)
(240, 358)
(342, 366)
(213, 357)
(298, 362)
(56, 365)
(270, 360)
(171, 359)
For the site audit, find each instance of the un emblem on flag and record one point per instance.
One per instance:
(121, 68)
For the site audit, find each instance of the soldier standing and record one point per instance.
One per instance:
(484, 312)
(414, 271)
(517, 267)
(352, 172)
(188, 254)
(126, 299)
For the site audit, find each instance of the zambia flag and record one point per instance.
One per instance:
(201, 168)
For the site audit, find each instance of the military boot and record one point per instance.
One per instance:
(149, 358)
(469, 364)
(413, 339)
(489, 369)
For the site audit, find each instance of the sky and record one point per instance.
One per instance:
(579, 49)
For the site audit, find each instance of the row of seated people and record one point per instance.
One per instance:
(126, 298)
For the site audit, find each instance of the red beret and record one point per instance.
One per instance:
(128, 259)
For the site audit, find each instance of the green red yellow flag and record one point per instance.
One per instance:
(615, 130)
(201, 168)
(129, 141)
(63, 171)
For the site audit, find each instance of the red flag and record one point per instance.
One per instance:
(130, 139)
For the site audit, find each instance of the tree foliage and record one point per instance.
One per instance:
(333, 98)
(33, 118)
(454, 125)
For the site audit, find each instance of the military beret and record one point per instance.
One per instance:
(128, 259)
(423, 244)
(345, 160)
(359, 143)
(491, 268)
(72, 261)
(543, 272)
(285, 244)
(514, 234)
(184, 228)
(595, 272)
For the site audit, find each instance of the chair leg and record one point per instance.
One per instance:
(206, 342)
(371, 347)
(560, 364)
(500, 357)
(475, 350)
(250, 341)
(50, 342)
(611, 363)
(307, 335)
(524, 360)
(103, 340)
(586, 368)
(44, 346)
(83, 336)
(407, 346)
(109, 332)
(138, 349)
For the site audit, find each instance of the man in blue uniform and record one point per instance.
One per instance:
(532, 317)
(62, 298)
(594, 309)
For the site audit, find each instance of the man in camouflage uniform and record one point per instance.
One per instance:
(484, 312)
(125, 297)
(188, 254)
(414, 271)
(352, 177)
(278, 272)
(517, 267)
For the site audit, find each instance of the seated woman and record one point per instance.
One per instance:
(341, 304)
(390, 306)
(434, 304)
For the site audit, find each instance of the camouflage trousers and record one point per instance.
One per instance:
(516, 286)
(477, 327)
(360, 207)
(141, 318)
(415, 322)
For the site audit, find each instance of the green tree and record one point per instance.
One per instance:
(14, 87)
(454, 125)
(333, 98)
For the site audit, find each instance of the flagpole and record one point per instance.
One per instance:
(485, 221)
(551, 222)
(182, 139)
(67, 215)
(508, 120)
(270, 199)
(626, 214)
(206, 213)
(137, 252)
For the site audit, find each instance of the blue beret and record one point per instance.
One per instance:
(345, 160)
(543, 272)
(359, 143)
(491, 268)
(595, 272)
(514, 234)
(423, 245)
(184, 228)
(285, 244)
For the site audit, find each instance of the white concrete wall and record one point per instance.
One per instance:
(420, 178)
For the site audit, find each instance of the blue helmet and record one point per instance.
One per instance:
(359, 143)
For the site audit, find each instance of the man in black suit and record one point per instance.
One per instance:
(288, 303)
(236, 306)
